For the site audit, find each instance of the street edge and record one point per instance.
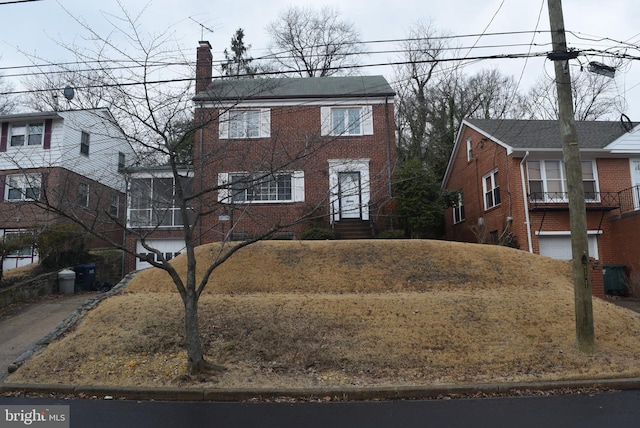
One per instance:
(326, 394)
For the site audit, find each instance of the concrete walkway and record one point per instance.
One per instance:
(24, 324)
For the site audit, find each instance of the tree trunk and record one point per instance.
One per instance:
(195, 356)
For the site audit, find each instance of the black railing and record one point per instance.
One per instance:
(629, 199)
(601, 200)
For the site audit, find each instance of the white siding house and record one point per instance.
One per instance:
(86, 146)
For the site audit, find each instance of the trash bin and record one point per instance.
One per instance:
(615, 280)
(85, 277)
(66, 281)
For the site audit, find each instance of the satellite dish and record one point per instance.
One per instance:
(69, 93)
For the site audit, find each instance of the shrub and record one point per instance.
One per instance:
(317, 233)
(61, 246)
(391, 234)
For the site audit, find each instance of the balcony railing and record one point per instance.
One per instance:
(629, 199)
(548, 201)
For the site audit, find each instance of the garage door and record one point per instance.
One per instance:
(170, 248)
(559, 247)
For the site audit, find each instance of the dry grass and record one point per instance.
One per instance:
(296, 314)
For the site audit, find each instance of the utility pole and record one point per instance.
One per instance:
(571, 153)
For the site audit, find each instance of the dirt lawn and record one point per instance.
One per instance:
(349, 313)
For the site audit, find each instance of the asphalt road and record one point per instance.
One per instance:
(619, 409)
(22, 325)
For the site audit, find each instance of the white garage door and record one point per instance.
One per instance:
(169, 247)
(559, 247)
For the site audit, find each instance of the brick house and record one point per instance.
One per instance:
(512, 186)
(271, 151)
(70, 160)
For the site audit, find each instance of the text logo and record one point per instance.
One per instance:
(34, 416)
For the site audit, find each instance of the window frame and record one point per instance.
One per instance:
(82, 198)
(458, 209)
(244, 124)
(84, 143)
(253, 190)
(330, 128)
(27, 193)
(492, 194)
(268, 188)
(562, 181)
(27, 135)
(152, 208)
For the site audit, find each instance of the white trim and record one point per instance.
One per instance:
(565, 233)
(337, 166)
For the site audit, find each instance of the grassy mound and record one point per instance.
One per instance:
(295, 314)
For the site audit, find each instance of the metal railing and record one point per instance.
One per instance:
(629, 199)
(610, 200)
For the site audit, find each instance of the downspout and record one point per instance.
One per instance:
(389, 168)
(200, 171)
(526, 202)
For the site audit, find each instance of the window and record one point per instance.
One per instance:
(83, 195)
(84, 143)
(237, 124)
(153, 202)
(491, 190)
(121, 161)
(23, 187)
(469, 150)
(20, 237)
(548, 183)
(458, 210)
(347, 121)
(114, 206)
(246, 188)
(589, 181)
(29, 134)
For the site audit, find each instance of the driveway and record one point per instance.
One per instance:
(23, 324)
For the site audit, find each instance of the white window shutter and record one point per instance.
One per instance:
(297, 183)
(223, 187)
(325, 120)
(265, 123)
(367, 120)
(223, 125)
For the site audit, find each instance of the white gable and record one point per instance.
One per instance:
(627, 143)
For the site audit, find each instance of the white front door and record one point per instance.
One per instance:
(635, 182)
(350, 195)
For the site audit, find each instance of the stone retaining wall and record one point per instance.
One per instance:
(39, 286)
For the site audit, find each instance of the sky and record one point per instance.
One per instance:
(38, 28)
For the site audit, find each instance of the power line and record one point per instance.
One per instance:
(17, 1)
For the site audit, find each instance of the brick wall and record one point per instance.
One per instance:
(295, 145)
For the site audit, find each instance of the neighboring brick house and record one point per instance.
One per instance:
(511, 179)
(274, 150)
(70, 160)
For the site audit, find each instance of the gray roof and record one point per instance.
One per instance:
(545, 134)
(287, 88)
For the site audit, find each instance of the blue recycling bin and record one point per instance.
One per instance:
(85, 277)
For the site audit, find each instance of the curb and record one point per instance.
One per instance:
(324, 394)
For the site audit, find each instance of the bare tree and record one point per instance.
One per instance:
(156, 114)
(311, 42)
(593, 98)
(422, 53)
(7, 100)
